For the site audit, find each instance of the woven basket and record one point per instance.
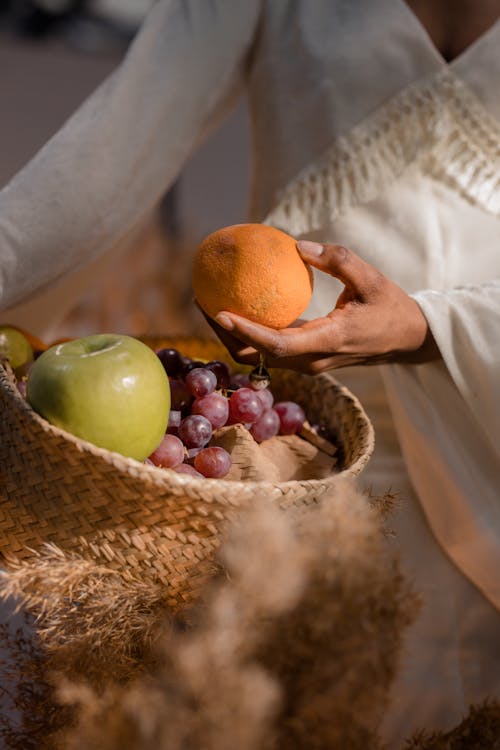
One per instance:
(145, 521)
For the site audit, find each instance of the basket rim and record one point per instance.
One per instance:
(159, 477)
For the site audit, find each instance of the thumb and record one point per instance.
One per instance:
(340, 262)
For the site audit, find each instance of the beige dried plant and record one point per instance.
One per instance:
(90, 619)
(294, 646)
(479, 730)
(81, 620)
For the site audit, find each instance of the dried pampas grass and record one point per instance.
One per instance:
(79, 619)
(89, 619)
(337, 650)
(480, 730)
(293, 646)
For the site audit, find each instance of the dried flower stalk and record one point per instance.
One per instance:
(293, 646)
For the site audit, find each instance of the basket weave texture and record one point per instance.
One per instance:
(147, 522)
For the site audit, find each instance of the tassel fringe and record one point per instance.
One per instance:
(438, 121)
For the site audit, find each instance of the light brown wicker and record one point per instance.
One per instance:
(142, 520)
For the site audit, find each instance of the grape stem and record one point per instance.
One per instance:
(260, 377)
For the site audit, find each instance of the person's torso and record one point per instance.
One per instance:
(366, 136)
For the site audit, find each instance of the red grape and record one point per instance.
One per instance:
(171, 360)
(201, 381)
(192, 452)
(213, 462)
(239, 380)
(222, 372)
(169, 453)
(191, 364)
(266, 426)
(180, 397)
(174, 420)
(188, 469)
(245, 406)
(266, 397)
(195, 431)
(291, 416)
(215, 407)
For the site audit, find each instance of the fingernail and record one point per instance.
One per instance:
(224, 321)
(310, 249)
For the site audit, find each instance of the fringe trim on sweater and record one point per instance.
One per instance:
(437, 121)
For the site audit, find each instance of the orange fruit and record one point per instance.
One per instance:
(253, 270)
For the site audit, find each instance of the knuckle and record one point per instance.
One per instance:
(278, 347)
(339, 253)
(375, 281)
(377, 276)
(343, 253)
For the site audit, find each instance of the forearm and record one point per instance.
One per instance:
(99, 175)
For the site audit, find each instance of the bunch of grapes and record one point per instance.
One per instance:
(206, 396)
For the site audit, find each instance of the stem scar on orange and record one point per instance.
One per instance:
(253, 270)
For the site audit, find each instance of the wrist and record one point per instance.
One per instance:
(423, 347)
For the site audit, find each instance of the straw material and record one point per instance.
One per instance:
(135, 518)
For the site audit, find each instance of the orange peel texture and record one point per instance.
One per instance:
(253, 270)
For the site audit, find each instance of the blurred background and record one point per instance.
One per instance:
(53, 54)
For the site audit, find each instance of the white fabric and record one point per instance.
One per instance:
(412, 233)
(363, 135)
(451, 655)
(116, 156)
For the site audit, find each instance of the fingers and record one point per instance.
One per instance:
(239, 350)
(313, 337)
(342, 263)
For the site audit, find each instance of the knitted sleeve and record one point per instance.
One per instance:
(114, 158)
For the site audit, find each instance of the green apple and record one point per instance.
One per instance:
(109, 389)
(15, 347)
